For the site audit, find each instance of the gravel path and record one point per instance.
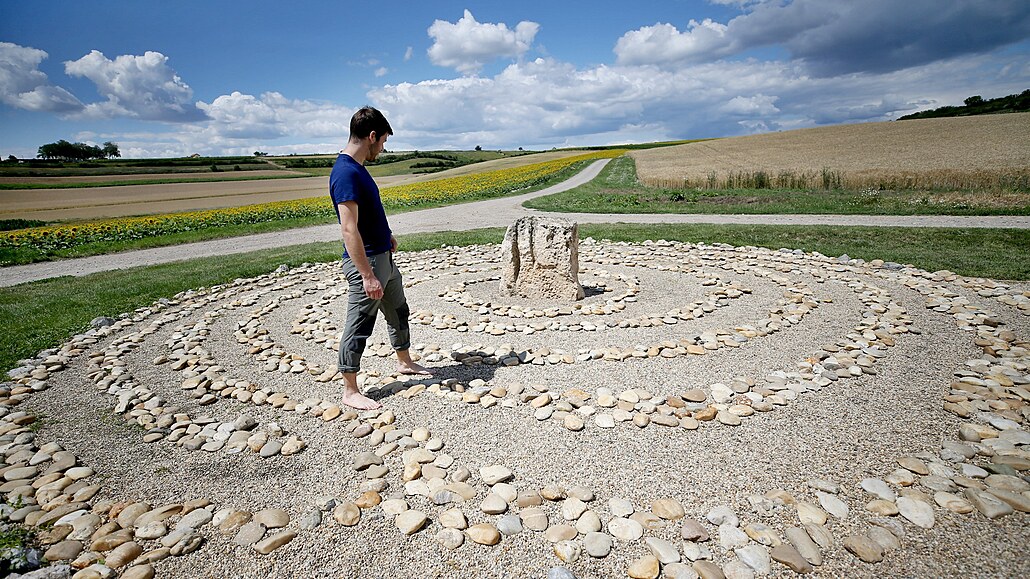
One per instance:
(768, 396)
(491, 213)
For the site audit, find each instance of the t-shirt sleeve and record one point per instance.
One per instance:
(345, 187)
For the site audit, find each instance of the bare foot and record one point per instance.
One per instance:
(411, 368)
(359, 401)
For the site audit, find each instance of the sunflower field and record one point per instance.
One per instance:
(441, 191)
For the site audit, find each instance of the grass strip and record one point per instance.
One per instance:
(43, 314)
(82, 184)
(975, 252)
(616, 190)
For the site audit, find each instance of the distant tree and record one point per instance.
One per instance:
(57, 150)
(12, 158)
(520, 148)
(64, 150)
(111, 150)
(479, 148)
(977, 105)
(260, 154)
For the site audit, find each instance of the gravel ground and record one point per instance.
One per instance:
(853, 429)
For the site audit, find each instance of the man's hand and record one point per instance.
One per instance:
(393, 244)
(373, 289)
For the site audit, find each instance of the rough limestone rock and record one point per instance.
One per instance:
(540, 259)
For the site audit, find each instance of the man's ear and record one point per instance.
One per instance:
(372, 135)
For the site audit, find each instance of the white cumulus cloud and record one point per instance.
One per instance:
(664, 43)
(467, 45)
(272, 115)
(24, 86)
(243, 115)
(545, 102)
(142, 87)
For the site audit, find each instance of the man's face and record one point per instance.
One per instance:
(378, 144)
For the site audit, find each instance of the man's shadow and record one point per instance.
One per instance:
(463, 373)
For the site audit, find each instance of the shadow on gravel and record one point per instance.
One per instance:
(456, 371)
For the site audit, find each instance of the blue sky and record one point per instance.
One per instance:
(218, 77)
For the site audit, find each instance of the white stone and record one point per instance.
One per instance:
(918, 512)
(625, 529)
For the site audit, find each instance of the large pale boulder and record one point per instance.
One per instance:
(540, 259)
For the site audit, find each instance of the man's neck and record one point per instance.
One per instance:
(356, 152)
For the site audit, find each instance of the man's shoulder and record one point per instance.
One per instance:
(346, 167)
(344, 164)
(349, 180)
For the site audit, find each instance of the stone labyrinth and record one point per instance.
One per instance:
(705, 411)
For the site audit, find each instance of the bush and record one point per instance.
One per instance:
(12, 224)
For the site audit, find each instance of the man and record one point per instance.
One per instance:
(374, 281)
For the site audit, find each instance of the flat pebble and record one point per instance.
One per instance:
(625, 529)
(409, 522)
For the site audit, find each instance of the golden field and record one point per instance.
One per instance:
(962, 153)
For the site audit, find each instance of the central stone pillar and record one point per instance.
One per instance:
(540, 259)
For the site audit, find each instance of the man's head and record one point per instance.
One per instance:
(369, 125)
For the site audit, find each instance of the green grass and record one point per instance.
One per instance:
(616, 190)
(978, 252)
(13, 538)
(44, 314)
(242, 176)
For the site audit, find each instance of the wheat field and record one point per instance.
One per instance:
(988, 152)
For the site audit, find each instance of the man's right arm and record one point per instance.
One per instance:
(356, 248)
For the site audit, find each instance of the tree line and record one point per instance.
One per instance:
(65, 151)
(977, 105)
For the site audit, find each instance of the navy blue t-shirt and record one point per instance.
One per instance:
(350, 181)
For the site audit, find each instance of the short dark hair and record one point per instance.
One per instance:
(367, 120)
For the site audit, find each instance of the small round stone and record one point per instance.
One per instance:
(484, 534)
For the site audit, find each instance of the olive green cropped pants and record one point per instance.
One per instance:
(362, 310)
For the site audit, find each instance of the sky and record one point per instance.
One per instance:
(215, 77)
